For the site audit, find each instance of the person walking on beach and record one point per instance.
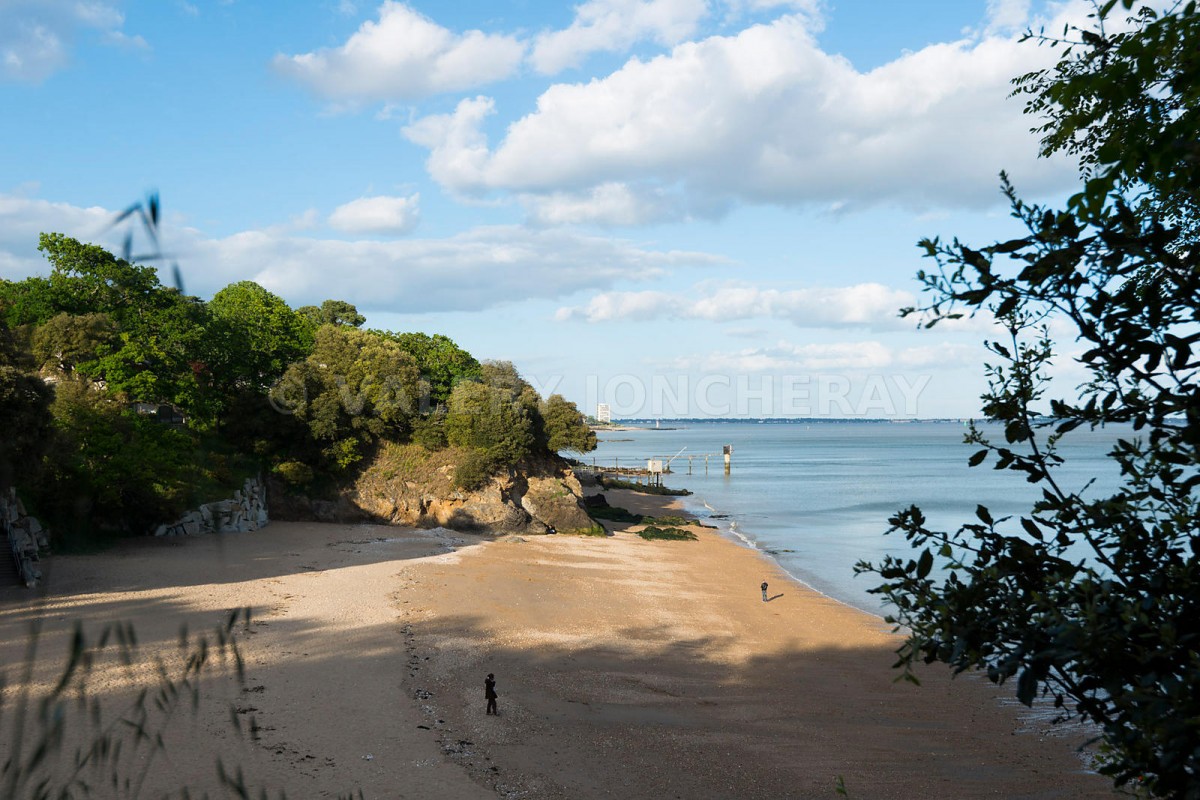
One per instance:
(764, 588)
(489, 691)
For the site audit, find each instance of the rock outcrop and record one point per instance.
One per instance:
(556, 501)
(405, 485)
(26, 537)
(245, 511)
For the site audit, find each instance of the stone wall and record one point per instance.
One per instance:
(25, 535)
(245, 511)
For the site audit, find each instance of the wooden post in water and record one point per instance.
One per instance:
(728, 452)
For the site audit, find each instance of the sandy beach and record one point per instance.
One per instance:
(625, 668)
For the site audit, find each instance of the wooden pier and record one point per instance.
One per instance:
(661, 465)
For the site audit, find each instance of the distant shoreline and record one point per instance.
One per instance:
(639, 424)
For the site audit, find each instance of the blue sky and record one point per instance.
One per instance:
(679, 207)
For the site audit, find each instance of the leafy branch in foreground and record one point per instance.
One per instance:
(68, 744)
(1091, 599)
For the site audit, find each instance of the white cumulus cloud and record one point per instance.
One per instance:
(1007, 15)
(763, 116)
(615, 25)
(404, 56)
(481, 268)
(862, 305)
(614, 204)
(379, 214)
(855, 356)
(477, 269)
(23, 218)
(36, 37)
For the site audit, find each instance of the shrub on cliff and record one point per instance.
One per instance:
(355, 388)
(565, 427)
(490, 420)
(443, 364)
(501, 419)
(429, 431)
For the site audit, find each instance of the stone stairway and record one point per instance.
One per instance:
(8, 565)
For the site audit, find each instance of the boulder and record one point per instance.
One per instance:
(556, 502)
(595, 501)
(488, 508)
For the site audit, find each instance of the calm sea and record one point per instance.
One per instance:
(816, 496)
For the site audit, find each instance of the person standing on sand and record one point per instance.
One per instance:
(489, 692)
(764, 588)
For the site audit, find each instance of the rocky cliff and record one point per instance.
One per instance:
(407, 485)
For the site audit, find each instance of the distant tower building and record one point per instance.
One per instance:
(603, 412)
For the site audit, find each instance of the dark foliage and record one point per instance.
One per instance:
(305, 394)
(1091, 600)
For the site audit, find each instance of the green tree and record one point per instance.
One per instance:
(162, 351)
(356, 387)
(84, 279)
(1091, 600)
(110, 469)
(332, 312)
(430, 430)
(443, 363)
(165, 355)
(486, 418)
(24, 415)
(565, 427)
(67, 341)
(493, 423)
(87, 278)
(28, 302)
(262, 334)
(1125, 100)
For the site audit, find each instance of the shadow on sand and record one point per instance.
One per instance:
(633, 712)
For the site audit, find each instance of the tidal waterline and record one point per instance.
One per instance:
(816, 495)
